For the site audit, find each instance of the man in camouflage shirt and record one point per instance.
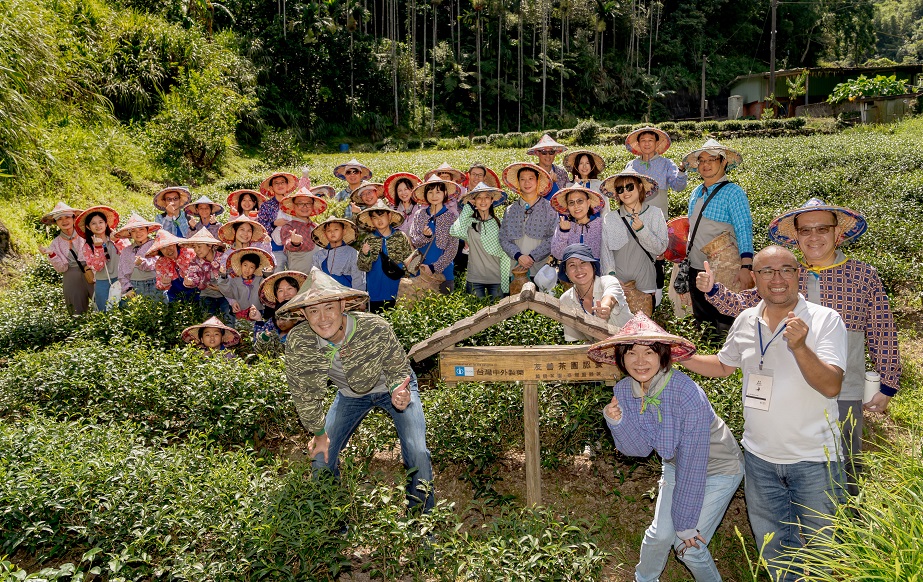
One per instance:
(359, 354)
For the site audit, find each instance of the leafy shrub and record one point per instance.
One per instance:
(151, 322)
(194, 131)
(708, 126)
(794, 123)
(667, 126)
(772, 123)
(863, 86)
(167, 393)
(279, 149)
(493, 138)
(686, 125)
(566, 133)
(364, 148)
(32, 316)
(479, 140)
(148, 508)
(586, 132)
(552, 133)
(731, 125)
(430, 142)
(392, 144)
(750, 125)
(622, 128)
(414, 144)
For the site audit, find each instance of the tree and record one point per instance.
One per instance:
(652, 92)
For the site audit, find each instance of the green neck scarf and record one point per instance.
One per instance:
(332, 348)
(654, 398)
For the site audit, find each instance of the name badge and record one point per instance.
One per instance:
(758, 391)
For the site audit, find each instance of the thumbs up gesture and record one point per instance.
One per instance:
(296, 238)
(705, 280)
(564, 224)
(400, 398)
(612, 410)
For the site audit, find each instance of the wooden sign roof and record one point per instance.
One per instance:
(529, 298)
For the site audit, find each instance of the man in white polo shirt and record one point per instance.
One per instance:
(793, 354)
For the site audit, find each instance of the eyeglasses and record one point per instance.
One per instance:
(302, 203)
(171, 199)
(630, 187)
(823, 229)
(351, 171)
(768, 274)
(546, 152)
(577, 202)
(709, 160)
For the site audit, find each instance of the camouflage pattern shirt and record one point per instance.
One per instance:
(372, 350)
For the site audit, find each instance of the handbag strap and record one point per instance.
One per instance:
(76, 260)
(635, 236)
(702, 213)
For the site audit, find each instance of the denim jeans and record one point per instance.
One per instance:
(101, 291)
(281, 260)
(794, 502)
(148, 289)
(344, 417)
(219, 307)
(661, 536)
(484, 290)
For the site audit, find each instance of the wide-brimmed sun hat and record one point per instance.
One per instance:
(227, 232)
(112, 218)
(162, 239)
(291, 182)
(322, 288)
(319, 234)
(714, 148)
(457, 175)
(647, 183)
(640, 329)
(233, 198)
(288, 203)
(490, 177)
(498, 195)
(356, 195)
(201, 236)
(190, 208)
(677, 237)
(511, 177)
(184, 197)
(576, 251)
(570, 160)
(391, 184)
(60, 209)
(229, 336)
(559, 200)
(451, 189)
(266, 261)
(268, 285)
(135, 221)
(364, 218)
(850, 224)
(663, 140)
(546, 143)
(323, 190)
(364, 171)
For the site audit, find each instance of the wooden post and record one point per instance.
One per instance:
(533, 447)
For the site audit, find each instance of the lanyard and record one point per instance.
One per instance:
(763, 350)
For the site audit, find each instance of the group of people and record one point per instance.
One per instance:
(799, 329)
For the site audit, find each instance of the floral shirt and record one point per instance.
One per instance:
(170, 269)
(201, 273)
(96, 255)
(590, 234)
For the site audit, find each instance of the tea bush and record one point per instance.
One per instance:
(150, 322)
(586, 132)
(167, 393)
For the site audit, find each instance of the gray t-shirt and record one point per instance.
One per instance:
(338, 377)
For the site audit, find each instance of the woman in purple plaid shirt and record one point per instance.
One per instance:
(658, 408)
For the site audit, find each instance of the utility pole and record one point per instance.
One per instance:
(772, 52)
(702, 105)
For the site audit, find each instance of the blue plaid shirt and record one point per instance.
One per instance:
(680, 436)
(661, 170)
(730, 205)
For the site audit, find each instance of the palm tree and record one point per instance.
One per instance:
(651, 91)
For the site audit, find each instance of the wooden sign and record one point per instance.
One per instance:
(523, 364)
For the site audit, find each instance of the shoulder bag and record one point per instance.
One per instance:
(681, 283)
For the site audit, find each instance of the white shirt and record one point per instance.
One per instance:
(800, 424)
(603, 285)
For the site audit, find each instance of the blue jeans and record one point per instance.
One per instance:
(794, 502)
(344, 417)
(219, 307)
(661, 536)
(148, 289)
(484, 289)
(101, 291)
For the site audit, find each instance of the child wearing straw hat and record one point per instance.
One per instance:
(213, 337)
(276, 187)
(335, 256)
(170, 202)
(488, 265)
(296, 235)
(202, 271)
(431, 229)
(172, 265)
(95, 225)
(269, 331)
(203, 213)
(241, 233)
(136, 271)
(382, 253)
(244, 202)
(580, 221)
(655, 407)
(241, 291)
(65, 253)
(364, 196)
(649, 145)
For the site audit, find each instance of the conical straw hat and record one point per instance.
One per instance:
(322, 288)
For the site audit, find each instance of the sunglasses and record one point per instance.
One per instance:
(546, 152)
(351, 172)
(630, 187)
